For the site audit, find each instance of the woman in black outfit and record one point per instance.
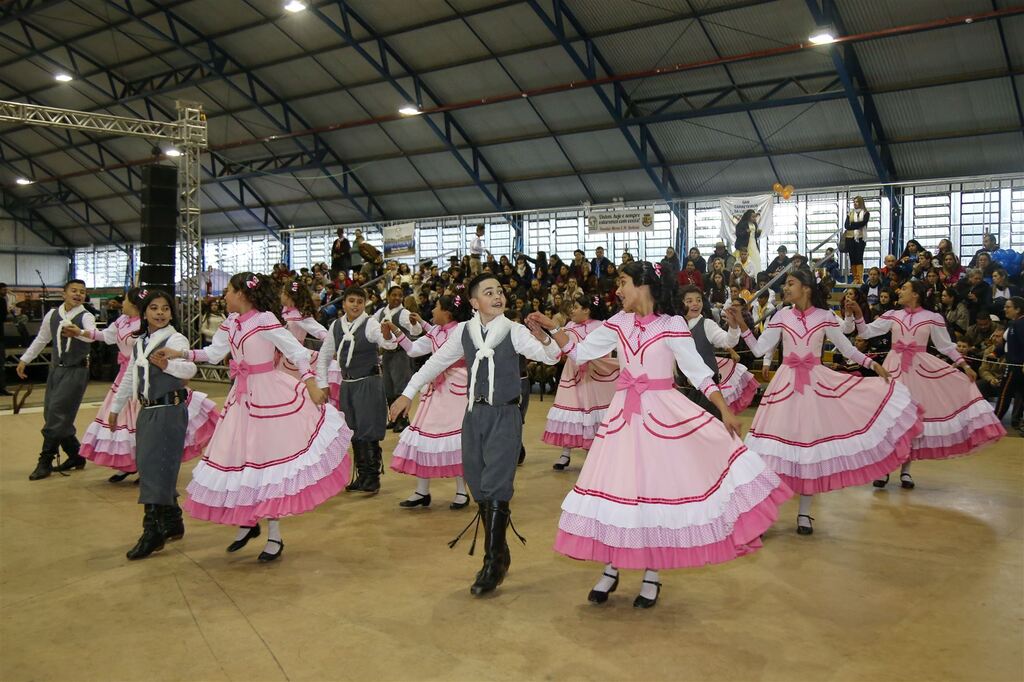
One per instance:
(854, 231)
(341, 255)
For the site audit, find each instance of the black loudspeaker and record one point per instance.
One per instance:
(159, 223)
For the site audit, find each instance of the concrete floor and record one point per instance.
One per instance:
(893, 585)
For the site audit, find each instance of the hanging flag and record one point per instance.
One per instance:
(620, 220)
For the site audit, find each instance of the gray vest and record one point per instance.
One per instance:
(506, 370)
(364, 357)
(396, 320)
(705, 347)
(75, 353)
(160, 383)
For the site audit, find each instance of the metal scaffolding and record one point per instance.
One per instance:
(188, 135)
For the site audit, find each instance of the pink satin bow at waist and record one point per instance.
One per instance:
(123, 359)
(907, 352)
(637, 386)
(802, 365)
(240, 371)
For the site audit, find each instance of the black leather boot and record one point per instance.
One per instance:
(74, 460)
(495, 516)
(172, 523)
(374, 467)
(44, 467)
(152, 538)
(358, 466)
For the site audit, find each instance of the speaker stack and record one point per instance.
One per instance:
(159, 227)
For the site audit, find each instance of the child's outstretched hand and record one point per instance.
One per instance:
(399, 408)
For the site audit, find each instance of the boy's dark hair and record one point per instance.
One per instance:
(359, 292)
(393, 287)
(74, 281)
(474, 283)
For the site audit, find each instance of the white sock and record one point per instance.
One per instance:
(564, 457)
(460, 490)
(905, 469)
(605, 583)
(422, 489)
(242, 532)
(805, 510)
(273, 533)
(646, 588)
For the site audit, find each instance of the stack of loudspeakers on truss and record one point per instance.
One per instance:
(159, 227)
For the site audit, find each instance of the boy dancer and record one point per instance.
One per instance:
(396, 363)
(67, 379)
(493, 425)
(349, 365)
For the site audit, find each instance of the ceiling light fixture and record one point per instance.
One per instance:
(63, 78)
(24, 181)
(172, 152)
(409, 110)
(822, 36)
(295, 6)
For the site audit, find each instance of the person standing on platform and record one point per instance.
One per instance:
(341, 255)
(477, 251)
(854, 232)
(492, 429)
(67, 380)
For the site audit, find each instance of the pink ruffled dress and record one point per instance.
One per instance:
(583, 395)
(821, 430)
(737, 384)
(116, 448)
(665, 485)
(957, 419)
(431, 446)
(274, 453)
(300, 327)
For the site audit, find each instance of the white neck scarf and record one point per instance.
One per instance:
(62, 343)
(348, 331)
(497, 330)
(151, 341)
(389, 314)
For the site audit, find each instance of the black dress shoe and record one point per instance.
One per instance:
(804, 530)
(599, 597)
(642, 602)
(559, 466)
(906, 481)
(522, 455)
(459, 505)
(254, 532)
(882, 482)
(117, 478)
(264, 557)
(72, 462)
(4, 392)
(421, 501)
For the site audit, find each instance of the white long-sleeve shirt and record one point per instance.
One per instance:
(716, 335)
(452, 351)
(329, 349)
(44, 336)
(176, 367)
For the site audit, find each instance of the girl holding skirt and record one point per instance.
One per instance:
(957, 419)
(584, 390)
(431, 447)
(278, 449)
(818, 429)
(666, 484)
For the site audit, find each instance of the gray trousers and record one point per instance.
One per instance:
(366, 410)
(396, 367)
(65, 387)
(491, 437)
(159, 442)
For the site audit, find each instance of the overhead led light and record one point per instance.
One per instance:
(822, 36)
(295, 6)
(172, 151)
(63, 78)
(409, 110)
(24, 181)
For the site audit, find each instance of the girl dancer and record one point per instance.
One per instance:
(666, 485)
(157, 384)
(821, 430)
(957, 419)
(115, 447)
(431, 447)
(299, 315)
(584, 390)
(278, 450)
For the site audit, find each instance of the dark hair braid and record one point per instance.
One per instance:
(260, 291)
(663, 285)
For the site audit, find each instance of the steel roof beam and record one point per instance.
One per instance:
(619, 107)
(216, 58)
(476, 166)
(28, 217)
(852, 77)
(1009, 67)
